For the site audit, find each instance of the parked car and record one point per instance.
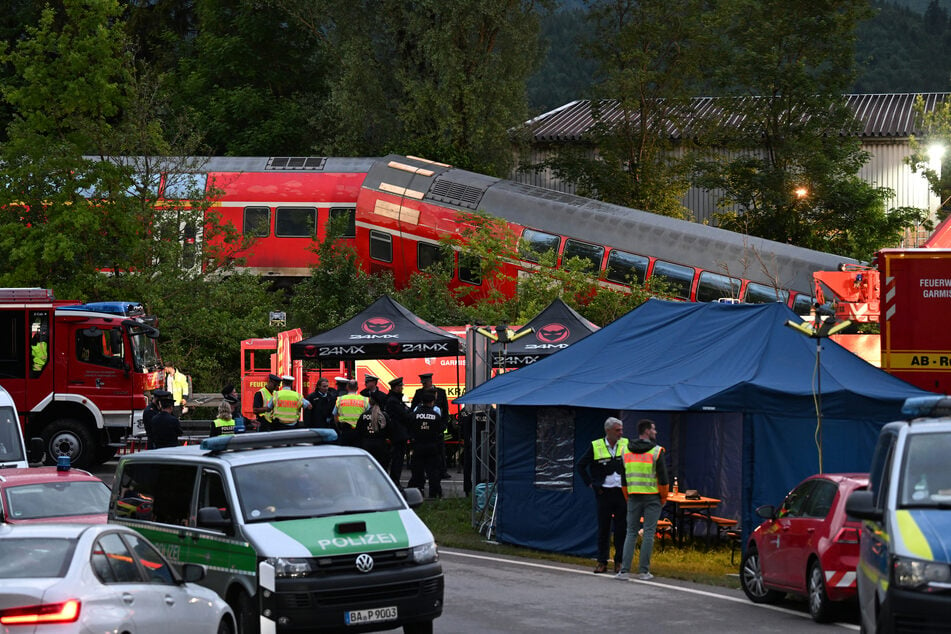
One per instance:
(904, 572)
(808, 546)
(12, 448)
(100, 578)
(47, 494)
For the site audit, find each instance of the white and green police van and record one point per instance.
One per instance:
(297, 534)
(904, 569)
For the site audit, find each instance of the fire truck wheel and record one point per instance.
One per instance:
(68, 437)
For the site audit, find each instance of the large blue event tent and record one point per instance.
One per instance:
(732, 391)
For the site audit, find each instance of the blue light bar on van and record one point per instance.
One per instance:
(918, 406)
(260, 440)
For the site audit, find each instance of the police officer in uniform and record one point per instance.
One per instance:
(153, 408)
(320, 415)
(348, 410)
(224, 425)
(601, 468)
(442, 405)
(166, 428)
(373, 430)
(371, 385)
(398, 415)
(286, 405)
(426, 429)
(260, 405)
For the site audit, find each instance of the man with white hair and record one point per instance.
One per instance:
(601, 468)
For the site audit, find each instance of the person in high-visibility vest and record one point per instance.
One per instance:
(347, 412)
(286, 405)
(261, 403)
(645, 487)
(224, 424)
(602, 468)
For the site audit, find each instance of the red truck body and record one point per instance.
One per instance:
(76, 372)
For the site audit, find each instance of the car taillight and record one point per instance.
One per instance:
(847, 536)
(65, 612)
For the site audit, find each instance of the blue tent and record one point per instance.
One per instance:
(731, 390)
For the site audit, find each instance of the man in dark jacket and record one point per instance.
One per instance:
(166, 428)
(153, 408)
(442, 406)
(602, 469)
(397, 414)
(320, 415)
(426, 429)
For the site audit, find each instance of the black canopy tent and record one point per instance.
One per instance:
(556, 327)
(383, 330)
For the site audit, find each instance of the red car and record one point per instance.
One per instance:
(808, 546)
(43, 494)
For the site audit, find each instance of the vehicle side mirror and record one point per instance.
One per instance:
(413, 497)
(767, 511)
(861, 505)
(193, 573)
(211, 517)
(36, 451)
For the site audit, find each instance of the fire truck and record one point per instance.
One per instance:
(77, 372)
(908, 292)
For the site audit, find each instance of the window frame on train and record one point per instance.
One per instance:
(381, 240)
(465, 270)
(427, 255)
(576, 249)
(248, 227)
(527, 244)
(184, 185)
(285, 220)
(714, 286)
(675, 283)
(351, 213)
(613, 264)
(757, 293)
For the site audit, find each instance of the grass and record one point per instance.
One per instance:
(450, 521)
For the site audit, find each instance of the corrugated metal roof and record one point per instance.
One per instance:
(887, 115)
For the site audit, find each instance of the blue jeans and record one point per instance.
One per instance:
(646, 505)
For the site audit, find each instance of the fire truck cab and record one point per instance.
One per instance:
(77, 373)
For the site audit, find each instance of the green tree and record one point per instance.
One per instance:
(794, 178)
(936, 138)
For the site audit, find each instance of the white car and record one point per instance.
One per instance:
(63, 578)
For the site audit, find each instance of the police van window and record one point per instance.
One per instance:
(211, 493)
(99, 346)
(762, 294)
(591, 253)
(534, 244)
(13, 339)
(350, 214)
(470, 269)
(427, 255)
(184, 186)
(713, 286)
(381, 246)
(925, 477)
(257, 222)
(626, 268)
(295, 222)
(156, 493)
(679, 278)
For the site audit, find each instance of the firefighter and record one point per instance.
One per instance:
(347, 412)
(224, 424)
(260, 403)
(426, 429)
(286, 405)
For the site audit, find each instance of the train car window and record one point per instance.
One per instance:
(381, 246)
(350, 213)
(470, 269)
(713, 286)
(184, 186)
(535, 243)
(295, 222)
(762, 294)
(257, 222)
(679, 278)
(427, 255)
(589, 252)
(625, 268)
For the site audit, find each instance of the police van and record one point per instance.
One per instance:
(12, 449)
(297, 534)
(904, 570)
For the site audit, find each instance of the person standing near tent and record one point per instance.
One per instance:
(426, 429)
(286, 405)
(442, 406)
(602, 468)
(320, 415)
(373, 431)
(371, 385)
(398, 414)
(645, 487)
(348, 410)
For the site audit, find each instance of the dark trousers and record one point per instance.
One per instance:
(426, 466)
(612, 517)
(397, 455)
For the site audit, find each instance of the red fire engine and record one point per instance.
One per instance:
(77, 373)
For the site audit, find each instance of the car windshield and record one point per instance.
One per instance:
(10, 448)
(144, 350)
(314, 487)
(33, 557)
(56, 499)
(926, 471)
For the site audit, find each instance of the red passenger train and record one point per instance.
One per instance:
(400, 207)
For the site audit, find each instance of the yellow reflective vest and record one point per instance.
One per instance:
(224, 426)
(640, 471)
(349, 408)
(265, 400)
(601, 451)
(287, 405)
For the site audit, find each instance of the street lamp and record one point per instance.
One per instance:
(826, 327)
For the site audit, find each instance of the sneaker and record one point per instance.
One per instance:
(645, 576)
(622, 576)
